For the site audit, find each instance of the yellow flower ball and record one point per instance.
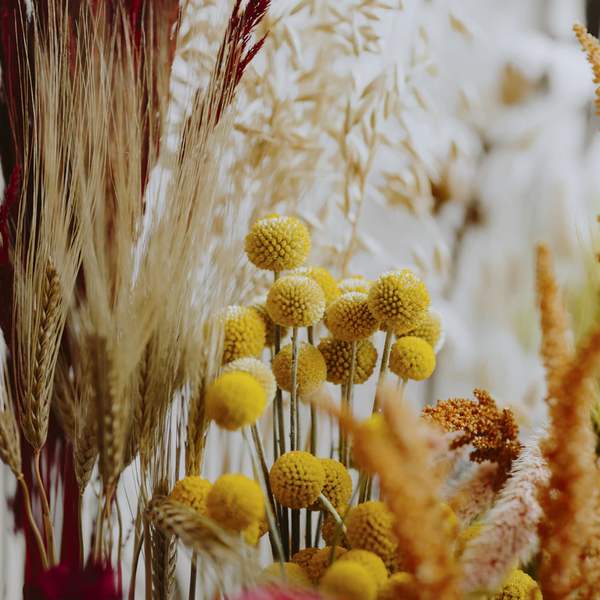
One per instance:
(338, 354)
(251, 534)
(261, 372)
(243, 332)
(369, 527)
(295, 301)
(338, 484)
(304, 557)
(396, 586)
(399, 299)
(324, 278)
(520, 586)
(464, 538)
(371, 562)
(278, 243)
(192, 491)
(311, 373)
(236, 502)
(259, 304)
(350, 319)
(321, 561)
(451, 524)
(412, 358)
(235, 399)
(295, 576)
(356, 283)
(348, 581)
(329, 529)
(431, 330)
(297, 479)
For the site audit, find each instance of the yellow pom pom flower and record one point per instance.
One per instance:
(312, 370)
(297, 479)
(329, 529)
(338, 484)
(259, 304)
(295, 576)
(261, 372)
(325, 280)
(431, 330)
(337, 355)
(464, 538)
(243, 332)
(520, 586)
(278, 243)
(350, 319)
(235, 399)
(251, 534)
(236, 502)
(371, 562)
(193, 492)
(296, 301)
(412, 358)
(304, 557)
(396, 586)
(321, 561)
(348, 581)
(399, 299)
(356, 283)
(369, 527)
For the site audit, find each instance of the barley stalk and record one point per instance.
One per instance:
(164, 561)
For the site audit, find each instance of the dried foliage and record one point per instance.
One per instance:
(591, 47)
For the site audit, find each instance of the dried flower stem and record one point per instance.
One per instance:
(348, 401)
(48, 528)
(32, 523)
(334, 513)
(294, 425)
(385, 357)
(193, 576)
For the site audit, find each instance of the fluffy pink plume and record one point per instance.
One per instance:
(510, 528)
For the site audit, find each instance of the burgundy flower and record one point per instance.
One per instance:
(275, 593)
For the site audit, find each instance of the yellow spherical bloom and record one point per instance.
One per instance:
(520, 586)
(295, 301)
(236, 502)
(261, 372)
(312, 369)
(369, 527)
(399, 299)
(431, 330)
(350, 319)
(235, 399)
(330, 526)
(451, 524)
(356, 283)
(304, 557)
(371, 562)
(295, 576)
(395, 586)
(412, 358)
(296, 479)
(243, 332)
(321, 561)
(192, 491)
(259, 304)
(324, 278)
(278, 243)
(251, 534)
(338, 354)
(464, 538)
(338, 484)
(348, 581)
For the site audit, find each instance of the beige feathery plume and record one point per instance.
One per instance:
(591, 47)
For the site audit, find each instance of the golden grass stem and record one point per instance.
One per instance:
(148, 558)
(48, 528)
(294, 393)
(334, 513)
(32, 523)
(342, 438)
(385, 357)
(193, 576)
(347, 406)
(80, 529)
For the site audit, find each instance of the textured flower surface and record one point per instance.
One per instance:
(348, 581)
(330, 526)
(399, 299)
(193, 492)
(321, 561)
(369, 527)
(297, 479)
(373, 563)
(295, 576)
(259, 304)
(304, 557)
(350, 318)
(520, 586)
(338, 484)
(356, 283)
(412, 358)
(325, 280)
(432, 330)
(259, 370)
(338, 354)
(312, 370)
(296, 301)
(278, 243)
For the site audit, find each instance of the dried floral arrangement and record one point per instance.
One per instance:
(126, 343)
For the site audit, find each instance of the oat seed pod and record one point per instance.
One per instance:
(296, 301)
(259, 370)
(296, 479)
(324, 279)
(412, 358)
(432, 330)
(278, 243)
(312, 369)
(350, 318)
(337, 355)
(399, 299)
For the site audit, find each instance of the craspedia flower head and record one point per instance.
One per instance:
(303, 557)
(356, 283)
(295, 301)
(371, 562)
(259, 304)
(321, 561)
(348, 581)
(412, 358)
(311, 373)
(261, 372)
(296, 479)
(193, 492)
(337, 355)
(520, 586)
(369, 527)
(431, 330)
(235, 399)
(350, 319)
(324, 279)
(278, 243)
(243, 332)
(464, 538)
(396, 586)
(251, 534)
(338, 484)
(330, 526)
(399, 299)
(295, 576)
(236, 502)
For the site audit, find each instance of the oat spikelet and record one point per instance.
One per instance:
(10, 449)
(591, 47)
(196, 433)
(85, 451)
(510, 527)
